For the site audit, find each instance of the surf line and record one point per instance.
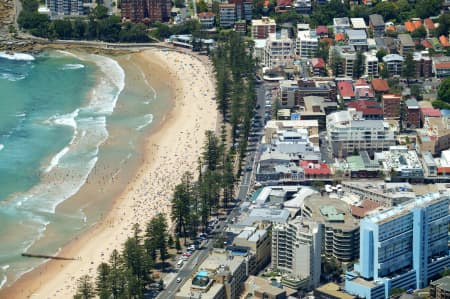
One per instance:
(42, 256)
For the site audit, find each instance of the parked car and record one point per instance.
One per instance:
(179, 279)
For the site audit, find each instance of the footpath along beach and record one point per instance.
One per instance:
(172, 149)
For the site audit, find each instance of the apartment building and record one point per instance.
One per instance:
(219, 277)
(370, 65)
(391, 105)
(263, 27)
(405, 45)
(296, 250)
(341, 25)
(279, 51)
(61, 8)
(227, 15)
(138, 10)
(376, 24)
(206, 19)
(340, 230)
(400, 163)
(307, 43)
(349, 132)
(440, 289)
(394, 64)
(412, 114)
(402, 247)
(357, 39)
(385, 194)
(258, 241)
(346, 56)
(244, 9)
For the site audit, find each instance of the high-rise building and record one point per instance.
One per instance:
(227, 15)
(296, 250)
(402, 247)
(153, 10)
(61, 8)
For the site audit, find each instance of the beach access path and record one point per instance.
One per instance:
(172, 150)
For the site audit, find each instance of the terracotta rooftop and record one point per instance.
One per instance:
(443, 65)
(207, 14)
(321, 29)
(429, 24)
(317, 63)
(431, 112)
(417, 24)
(380, 85)
(340, 36)
(284, 2)
(367, 107)
(346, 89)
(310, 168)
(365, 207)
(444, 41)
(409, 26)
(426, 44)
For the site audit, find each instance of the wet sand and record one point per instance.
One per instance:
(171, 149)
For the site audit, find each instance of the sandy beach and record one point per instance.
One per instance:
(171, 150)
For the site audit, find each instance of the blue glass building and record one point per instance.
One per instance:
(402, 247)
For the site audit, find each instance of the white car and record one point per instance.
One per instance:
(179, 279)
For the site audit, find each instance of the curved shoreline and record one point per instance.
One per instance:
(179, 137)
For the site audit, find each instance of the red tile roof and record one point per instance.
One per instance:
(380, 85)
(329, 40)
(443, 65)
(365, 207)
(429, 24)
(321, 29)
(311, 168)
(431, 112)
(340, 36)
(366, 107)
(444, 41)
(409, 26)
(346, 89)
(207, 14)
(391, 28)
(284, 2)
(417, 24)
(318, 63)
(426, 44)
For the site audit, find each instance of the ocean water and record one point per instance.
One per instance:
(66, 121)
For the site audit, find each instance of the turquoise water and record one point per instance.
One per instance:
(57, 114)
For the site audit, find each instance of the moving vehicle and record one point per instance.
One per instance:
(180, 264)
(179, 279)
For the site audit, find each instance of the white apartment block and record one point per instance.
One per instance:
(370, 65)
(307, 44)
(296, 250)
(349, 132)
(279, 50)
(347, 55)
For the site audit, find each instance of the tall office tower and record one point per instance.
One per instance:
(402, 247)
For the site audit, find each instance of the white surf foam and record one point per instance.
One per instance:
(1, 146)
(104, 97)
(12, 77)
(55, 160)
(5, 267)
(148, 119)
(4, 280)
(65, 119)
(17, 56)
(72, 66)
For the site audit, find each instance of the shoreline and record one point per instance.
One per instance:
(178, 136)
